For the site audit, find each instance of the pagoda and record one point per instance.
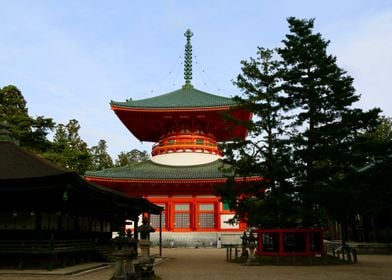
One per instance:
(186, 126)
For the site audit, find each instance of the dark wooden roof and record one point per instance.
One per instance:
(16, 163)
(26, 180)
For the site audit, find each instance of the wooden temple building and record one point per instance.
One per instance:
(186, 126)
(52, 217)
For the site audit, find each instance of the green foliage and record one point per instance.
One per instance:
(100, 158)
(68, 149)
(325, 127)
(383, 132)
(132, 157)
(372, 182)
(30, 132)
(271, 202)
(305, 138)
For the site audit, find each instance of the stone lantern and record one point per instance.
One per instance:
(145, 262)
(252, 246)
(244, 252)
(125, 252)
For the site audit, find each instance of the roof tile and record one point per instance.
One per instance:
(186, 97)
(151, 170)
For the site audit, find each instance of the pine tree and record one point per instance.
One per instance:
(132, 157)
(28, 131)
(264, 152)
(306, 139)
(68, 149)
(325, 126)
(100, 159)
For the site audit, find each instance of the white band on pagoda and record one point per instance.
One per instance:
(184, 158)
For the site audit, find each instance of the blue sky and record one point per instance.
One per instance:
(70, 58)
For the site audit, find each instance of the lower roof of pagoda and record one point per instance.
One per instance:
(150, 172)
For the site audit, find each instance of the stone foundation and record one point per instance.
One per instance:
(196, 239)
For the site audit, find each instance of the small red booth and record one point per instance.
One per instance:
(289, 241)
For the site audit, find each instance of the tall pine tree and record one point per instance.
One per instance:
(265, 152)
(306, 138)
(324, 125)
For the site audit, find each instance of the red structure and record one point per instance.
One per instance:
(186, 126)
(286, 242)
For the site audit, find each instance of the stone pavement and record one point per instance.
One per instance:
(209, 264)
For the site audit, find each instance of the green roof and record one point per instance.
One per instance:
(186, 97)
(151, 170)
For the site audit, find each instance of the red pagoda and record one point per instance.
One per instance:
(186, 126)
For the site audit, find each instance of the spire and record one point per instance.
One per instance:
(188, 59)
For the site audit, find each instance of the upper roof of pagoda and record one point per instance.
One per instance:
(150, 118)
(185, 99)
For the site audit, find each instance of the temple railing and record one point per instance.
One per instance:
(186, 143)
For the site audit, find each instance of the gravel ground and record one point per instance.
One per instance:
(208, 264)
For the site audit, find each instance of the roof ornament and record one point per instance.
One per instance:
(188, 59)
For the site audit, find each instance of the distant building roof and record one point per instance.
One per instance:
(374, 164)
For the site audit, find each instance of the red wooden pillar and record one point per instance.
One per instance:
(307, 244)
(195, 224)
(321, 242)
(281, 247)
(217, 213)
(259, 249)
(170, 214)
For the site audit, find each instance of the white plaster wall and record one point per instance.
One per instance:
(226, 217)
(184, 158)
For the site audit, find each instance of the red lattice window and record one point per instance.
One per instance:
(154, 219)
(206, 215)
(182, 217)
